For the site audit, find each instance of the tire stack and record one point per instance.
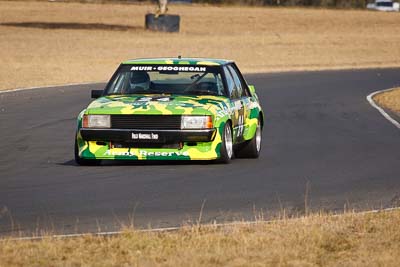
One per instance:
(163, 23)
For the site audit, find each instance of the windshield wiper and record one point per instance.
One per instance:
(198, 78)
(201, 92)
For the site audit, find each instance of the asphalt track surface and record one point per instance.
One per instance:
(322, 139)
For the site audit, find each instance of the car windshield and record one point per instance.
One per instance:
(167, 79)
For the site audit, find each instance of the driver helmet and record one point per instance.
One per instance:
(140, 80)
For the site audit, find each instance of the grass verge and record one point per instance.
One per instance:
(45, 43)
(389, 100)
(317, 240)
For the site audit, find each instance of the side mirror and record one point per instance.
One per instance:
(97, 93)
(252, 89)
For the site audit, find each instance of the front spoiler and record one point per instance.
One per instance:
(99, 145)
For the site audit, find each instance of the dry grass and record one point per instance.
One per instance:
(389, 100)
(316, 240)
(259, 39)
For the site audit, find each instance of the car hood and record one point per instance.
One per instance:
(157, 104)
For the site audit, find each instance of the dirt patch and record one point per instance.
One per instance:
(46, 43)
(389, 100)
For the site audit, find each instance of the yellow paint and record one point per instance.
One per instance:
(207, 63)
(93, 147)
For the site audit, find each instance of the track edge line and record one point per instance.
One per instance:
(171, 229)
(45, 87)
(381, 110)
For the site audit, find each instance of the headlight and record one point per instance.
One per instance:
(196, 122)
(96, 121)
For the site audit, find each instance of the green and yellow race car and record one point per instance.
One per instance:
(171, 109)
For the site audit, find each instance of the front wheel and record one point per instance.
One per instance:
(227, 145)
(252, 148)
(84, 162)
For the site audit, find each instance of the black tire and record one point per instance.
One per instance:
(227, 145)
(251, 148)
(163, 23)
(84, 162)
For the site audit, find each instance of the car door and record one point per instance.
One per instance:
(235, 91)
(245, 99)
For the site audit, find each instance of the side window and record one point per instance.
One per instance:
(232, 90)
(219, 83)
(242, 81)
(119, 83)
(236, 79)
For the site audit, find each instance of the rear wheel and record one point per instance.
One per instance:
(227, 145)
(252, 148)
(84, 162)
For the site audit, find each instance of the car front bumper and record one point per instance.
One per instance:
(149, 144)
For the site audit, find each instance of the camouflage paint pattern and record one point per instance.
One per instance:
(221, 108)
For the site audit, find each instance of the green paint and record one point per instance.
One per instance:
(220, 108)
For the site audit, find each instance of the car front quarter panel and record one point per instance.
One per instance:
(251, 121)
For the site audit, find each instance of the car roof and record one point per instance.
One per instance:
(179, 61)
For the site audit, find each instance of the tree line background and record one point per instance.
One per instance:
(316, 3)
(312, 3)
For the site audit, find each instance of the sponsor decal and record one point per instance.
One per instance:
(225, 111)
(163, 99)
(145, 153)
(156, 98)
(170, 68)
(240, 126)
(144, 136)
(238, 105)
(144, 99)
(119, 153)
(162, 154)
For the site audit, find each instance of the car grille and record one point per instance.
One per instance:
(146, 122)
